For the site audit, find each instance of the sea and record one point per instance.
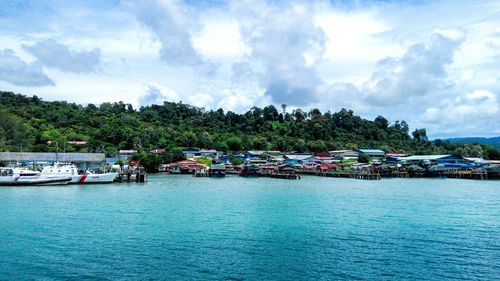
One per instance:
(177, 227)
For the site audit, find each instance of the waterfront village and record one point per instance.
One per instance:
(369, 164)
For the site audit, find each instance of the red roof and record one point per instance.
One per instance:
(324, 155)
(186, 162)
(186, 165)
(325, 167)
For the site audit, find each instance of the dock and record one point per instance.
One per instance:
(201, 173)
(132, 175)
(351, 175)
(473, 175)
(360, 174)
(395, 174)
(288, 176)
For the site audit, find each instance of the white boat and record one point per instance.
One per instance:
(59, 169)
(18, 176)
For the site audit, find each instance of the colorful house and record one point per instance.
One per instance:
(182, 167)
(190, 152)
(212, 153)
(447, 159)
(157, 151)
(126, 153)
(344, 154)
(254, 153)
(324, 157)
(296, 159)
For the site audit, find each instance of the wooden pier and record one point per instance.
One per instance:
(304, 171)
(132, 175)
(473, 175)
(288, 176)
(351, 175)
(395, 174)
(362, 174)
(201, 173)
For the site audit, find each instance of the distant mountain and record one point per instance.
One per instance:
(493, 141)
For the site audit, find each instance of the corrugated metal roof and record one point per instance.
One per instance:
(208, 151)
(424, 157)
(298, 157)
(52, 157)
(371, 151)
(127, 151)
(255, 152)
(341, 151)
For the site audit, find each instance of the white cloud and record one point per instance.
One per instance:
(476, 112)
(398, 59)
(201, 100)
(173, 24)
(287, 42)
(419, 72)
(155, 93)
(397, 82)
(236, 103)
(352, 35)
(18, 72)
(59, 56)
(220, 38)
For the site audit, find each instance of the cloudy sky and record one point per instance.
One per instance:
(435, 64)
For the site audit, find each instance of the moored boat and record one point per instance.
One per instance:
(18, 177)
(58, 170)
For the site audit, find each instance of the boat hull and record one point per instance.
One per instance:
(216, 175)
(93, 178)
(40, 181)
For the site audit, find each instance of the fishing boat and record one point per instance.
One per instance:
(18, 176)
(69, 170)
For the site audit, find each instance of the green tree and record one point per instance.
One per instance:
(363, 158)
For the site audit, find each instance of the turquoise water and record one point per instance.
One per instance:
(179, 227)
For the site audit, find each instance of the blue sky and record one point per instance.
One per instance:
(435, 64)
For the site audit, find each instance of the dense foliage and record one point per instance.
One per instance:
(494, 141)
(29, 123)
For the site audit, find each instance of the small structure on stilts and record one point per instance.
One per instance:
(200, 173)
(133, 173)
(217, 171)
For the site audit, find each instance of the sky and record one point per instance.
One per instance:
(434, 64)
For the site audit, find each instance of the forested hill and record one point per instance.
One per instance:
(494, 141)
(28, 123)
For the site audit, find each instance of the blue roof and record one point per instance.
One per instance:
(425, 157)
(111, 160)
(371, 151)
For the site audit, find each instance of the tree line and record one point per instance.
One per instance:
(32, 124)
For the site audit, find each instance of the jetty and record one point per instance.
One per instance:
(474, 175)
(362, 164)
(278, 175)
(132, 175)
(201, 173)
(361, 175)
